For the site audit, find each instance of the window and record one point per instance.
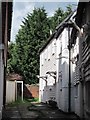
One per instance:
(60, 80)
(53, 47)
(49, 52)
(42, 59)
(77, 46)
(76, 90)
(61, 85)
(45, 56)
(59, 46)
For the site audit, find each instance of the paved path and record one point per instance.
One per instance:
(35, 111)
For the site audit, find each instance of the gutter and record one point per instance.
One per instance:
(69, 81)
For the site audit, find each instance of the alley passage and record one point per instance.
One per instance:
(35, 111)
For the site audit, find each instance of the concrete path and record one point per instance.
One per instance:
(35, 111)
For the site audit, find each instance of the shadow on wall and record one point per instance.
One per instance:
(31, 91)
(19, 93)
(57, 93)
(27, 93)
(49, 95)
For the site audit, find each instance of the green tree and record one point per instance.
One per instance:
(56, 19)
(68, 10)
(32, 35)
(59, 16)
(23, 55)
(12, 61)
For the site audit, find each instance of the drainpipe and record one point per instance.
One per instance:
(4, 87)
(69, 82)
(69, 48)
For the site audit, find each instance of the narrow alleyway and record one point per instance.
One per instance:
(35, 111)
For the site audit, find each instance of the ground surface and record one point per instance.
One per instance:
(35, 111)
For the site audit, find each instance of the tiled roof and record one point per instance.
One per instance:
(14, 76)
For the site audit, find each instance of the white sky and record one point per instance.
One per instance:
(20, 10)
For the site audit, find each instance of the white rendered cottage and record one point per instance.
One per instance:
(54, 69)
(48, 72)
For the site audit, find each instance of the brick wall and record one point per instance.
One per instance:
(31, 91)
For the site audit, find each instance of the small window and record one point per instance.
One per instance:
(53, 47)
(42, 59)
(61, 85)
(59, 47)
(45, 55)
(49, 52)
(72, 49)
(76, 90)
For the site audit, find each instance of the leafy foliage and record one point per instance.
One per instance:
(59, 16)
(23, 55)
(31, 36)
(56, 19)
(12, 58)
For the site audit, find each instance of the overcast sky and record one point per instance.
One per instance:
(20, 10)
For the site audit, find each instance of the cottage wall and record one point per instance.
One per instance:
(62, 72)
(57, 59)
(47, 63)
(76, 78)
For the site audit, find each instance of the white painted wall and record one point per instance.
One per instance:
(47, 63)
(59, 62)
(62, 71)
(10, 91)
(78, 91)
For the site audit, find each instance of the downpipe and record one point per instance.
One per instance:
(69, 48)
(69, 82)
